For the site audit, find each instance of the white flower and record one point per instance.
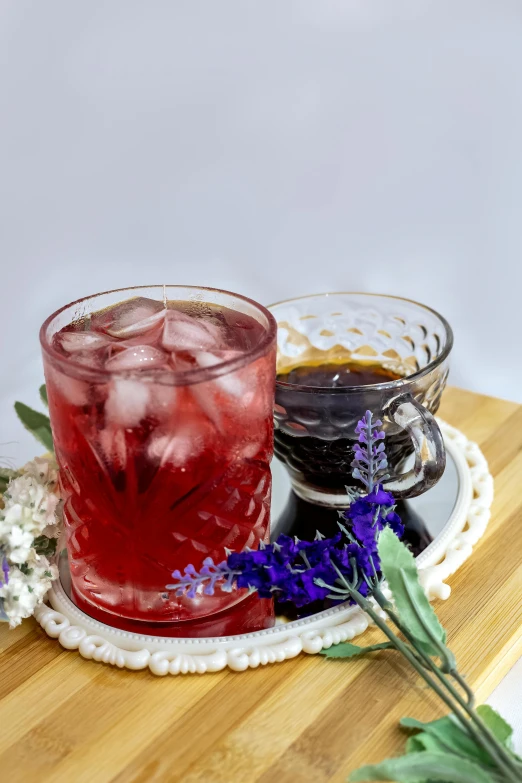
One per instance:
(44, 470)
(31, 508)
(31, 501)
(19, 543)
(23, 592)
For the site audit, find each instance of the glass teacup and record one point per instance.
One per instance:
(341, 354)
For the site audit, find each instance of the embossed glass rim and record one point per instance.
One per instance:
(397, 384)
(172, 377)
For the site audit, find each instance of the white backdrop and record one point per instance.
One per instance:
(274, 148)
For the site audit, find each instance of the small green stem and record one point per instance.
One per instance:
(495, 750)
(465, 687)
(451, 668)
(479, 731)
(399, 645)
(421, 662)
(498, 757)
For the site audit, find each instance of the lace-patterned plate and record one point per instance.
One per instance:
(462, 499)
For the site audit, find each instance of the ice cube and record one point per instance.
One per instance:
(92, 359)
(230, 383)
(176, 449)
(82, 341)
(74, 390)
(127, 402)
(182, 362)
(182, 332)
(163, 399)
(210, 359)
(113, 447)
(251, 449)
(139, 357)
(212, 395)
(233, 385)
(204, 394)
(130, 318)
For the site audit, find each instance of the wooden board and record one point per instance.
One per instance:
(68, 720)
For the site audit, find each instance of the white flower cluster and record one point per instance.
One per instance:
(30, 510)
(25, 590)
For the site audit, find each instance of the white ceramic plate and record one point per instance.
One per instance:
(456, 513)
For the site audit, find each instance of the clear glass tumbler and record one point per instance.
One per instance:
(341, 354)
(161, 405)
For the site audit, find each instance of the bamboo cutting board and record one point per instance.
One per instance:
(68, 720)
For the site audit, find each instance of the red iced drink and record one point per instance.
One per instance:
(162, 421)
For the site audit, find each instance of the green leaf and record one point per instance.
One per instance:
(37, 423)
(415, 745)
(5, 477)
(45, 546)
(400, 571)
(346, 650)
(445, 735)
(423, 742)
(496, 724)
(43, 395)
(419, 767)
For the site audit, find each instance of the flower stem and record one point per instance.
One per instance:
(480, 732)
(495, 750)
(403, 648)
(450, 667)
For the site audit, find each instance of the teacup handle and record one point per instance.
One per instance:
(430, 455)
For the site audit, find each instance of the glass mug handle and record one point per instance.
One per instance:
(430, 455)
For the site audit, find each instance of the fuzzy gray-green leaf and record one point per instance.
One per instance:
(400, 571)
(37, 423)
(43, 395)
(45, 546)
(347, 650)
(418, 767)
(415, 745)
(5, 477)
(445, 734)
(496, 724)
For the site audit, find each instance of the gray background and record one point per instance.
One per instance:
(275, 148)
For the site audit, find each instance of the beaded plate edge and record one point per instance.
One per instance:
(62, 620)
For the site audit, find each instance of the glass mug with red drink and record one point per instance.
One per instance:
(161, 403)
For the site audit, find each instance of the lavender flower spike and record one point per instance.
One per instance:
(210, 576)
(369, 461)
(5, 570)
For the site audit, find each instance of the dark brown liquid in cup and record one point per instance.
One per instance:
(334, 376)
(326, 462)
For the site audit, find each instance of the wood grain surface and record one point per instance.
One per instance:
(68, 720)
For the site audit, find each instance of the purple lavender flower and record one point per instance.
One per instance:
(369, 515)
(370, 462)
(302, 572)
(210, 575)
(295, 571)
(5, 569)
